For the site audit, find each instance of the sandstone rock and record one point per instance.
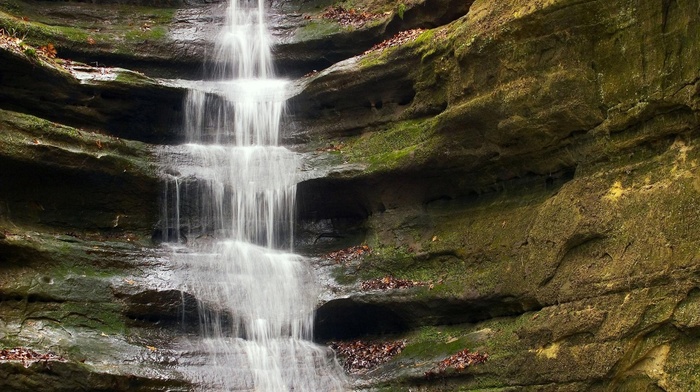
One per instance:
(64, 177)
(544, 174)
(59, 296)
(153, 36)
(473, 103)
(120, 102)
(307, 41)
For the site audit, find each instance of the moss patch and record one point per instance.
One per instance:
(397, 146)
(24, 135)
(317, 29)
(127, 27)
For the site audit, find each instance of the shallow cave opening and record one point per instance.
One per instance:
(346, 319)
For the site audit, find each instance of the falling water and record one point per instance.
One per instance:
(228, 211)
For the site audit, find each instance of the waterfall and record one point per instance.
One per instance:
(228, 215)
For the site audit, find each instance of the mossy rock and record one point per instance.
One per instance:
(102, 34)
(62, 176)
(119, 102)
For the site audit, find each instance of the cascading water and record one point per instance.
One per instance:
(230, 198)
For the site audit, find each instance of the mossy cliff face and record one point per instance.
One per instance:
(500, 85)
(79, 275)
(537, 162)
(309, 41)
(150, 36)
(77, 267)
(577, 286)
(176, 38)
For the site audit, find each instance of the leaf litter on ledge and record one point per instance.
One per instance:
(27, 356)
(345, 255)
(348, 17)
(389, 282)
(399, 38)
(457, 362)
(360, 356)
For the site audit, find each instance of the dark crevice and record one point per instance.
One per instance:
(167, 307)
(11, 297)
(43, 298)
(359, 316)
(30, 298)
(331, 198)
(347, 319)
(430, 14)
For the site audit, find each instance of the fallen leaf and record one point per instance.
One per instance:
(48, 50)
(348, 17)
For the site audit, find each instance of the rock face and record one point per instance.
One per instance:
(534, 163)
(79, 193)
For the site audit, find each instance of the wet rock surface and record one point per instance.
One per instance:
(115, 101)
(174, 39)
(161, 38)
(59, 295)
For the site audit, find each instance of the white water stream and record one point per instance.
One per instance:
(229, 205)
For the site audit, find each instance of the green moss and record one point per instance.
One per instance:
(38, 34)
(344, 275)
(317, 29)
(400, 10)
(682, 364)
(374, 59)
(392, 147)
(129, 27)
(138, 35)
(133, 78)
(425, 43)
(435, 342)
(103, 317)
(424, 39)
(23, 129)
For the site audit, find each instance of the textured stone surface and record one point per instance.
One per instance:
(536, 161)
(116, 101)
(60, 176)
